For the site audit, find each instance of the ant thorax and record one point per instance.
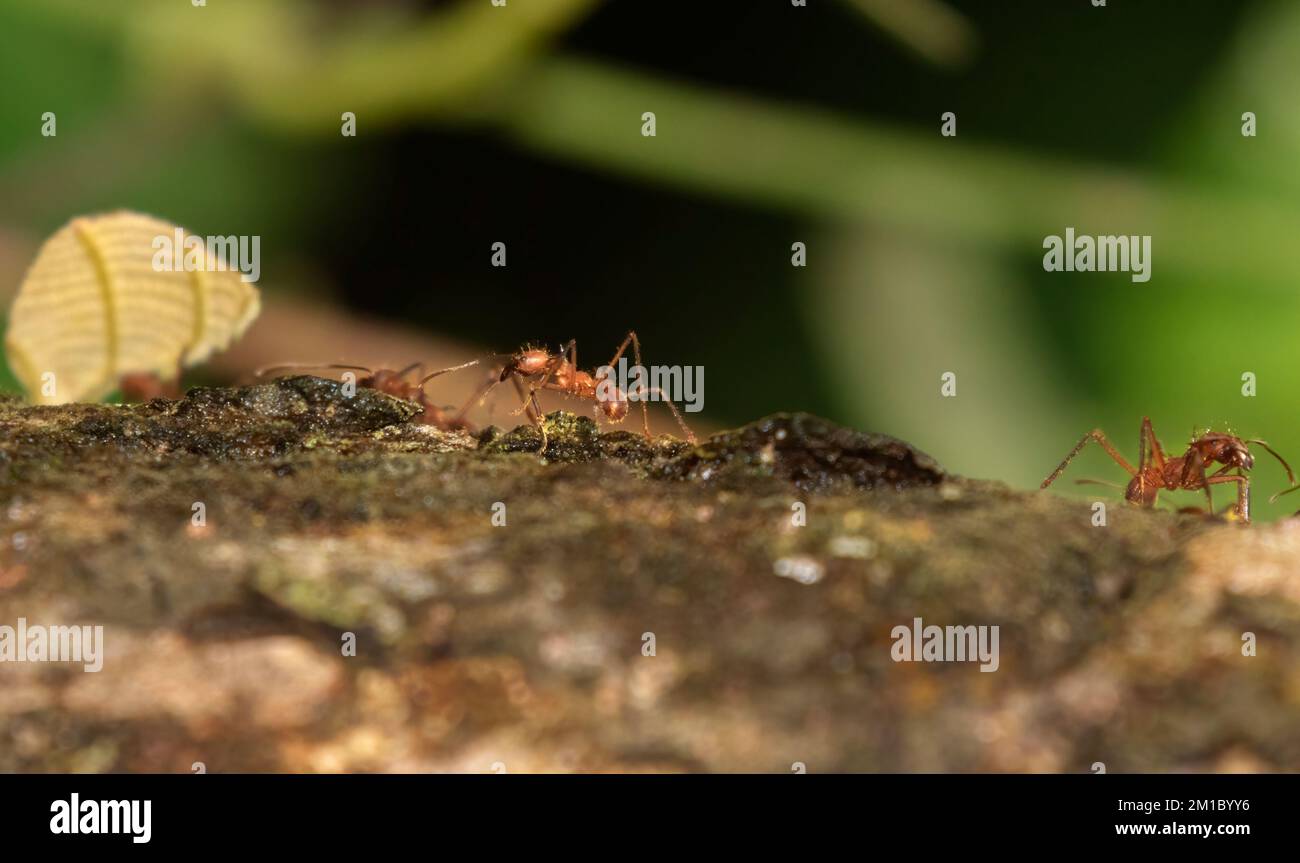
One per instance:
(532, 362)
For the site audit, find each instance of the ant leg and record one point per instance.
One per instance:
(480, 395)
(1194, 474)
(1095, 435)
(572, 349)
(1118, 487)
(1243, 492)
(557, 362)
(528, 401)
(547, 372)
(534, 411)
(1149, 452)
(628, 339)
(641, 395)
(524, 407)
(1149, 437)
(690, 436)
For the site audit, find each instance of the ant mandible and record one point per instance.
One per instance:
(1156, 471)
(395, 383)
(539, 369)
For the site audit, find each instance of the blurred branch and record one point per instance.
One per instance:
(476, 62)
(736, 146)
(931, 29)
(297, 70)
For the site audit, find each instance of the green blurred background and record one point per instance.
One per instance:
(776, 124)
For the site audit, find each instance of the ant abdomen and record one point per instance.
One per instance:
(615, 411)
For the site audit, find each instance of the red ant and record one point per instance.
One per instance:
(560, 373)
(146, 386)
(1155, 471)
(395, 383)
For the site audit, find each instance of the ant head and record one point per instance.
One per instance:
(528, 362)
(1225, 449)
(1237, 454)
(386, 381)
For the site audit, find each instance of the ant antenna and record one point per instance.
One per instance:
(428, 378)
(284, 367)
(1099, 482)
(1289, 473)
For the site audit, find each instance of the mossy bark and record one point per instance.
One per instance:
(503, 604)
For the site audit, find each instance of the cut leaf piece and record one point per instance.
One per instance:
(93, 307)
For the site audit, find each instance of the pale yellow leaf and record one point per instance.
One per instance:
(94, 307)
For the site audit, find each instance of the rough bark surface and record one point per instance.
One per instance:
(522, 647)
